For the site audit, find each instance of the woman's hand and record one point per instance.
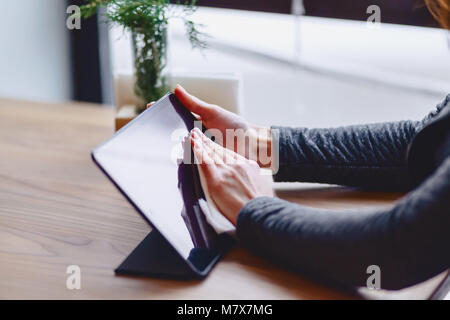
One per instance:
(232, 180)
(250, 141)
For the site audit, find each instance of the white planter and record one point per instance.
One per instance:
(223, 89)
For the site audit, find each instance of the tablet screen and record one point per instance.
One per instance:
(150, 164)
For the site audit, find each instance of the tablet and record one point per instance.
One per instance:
(151, 165)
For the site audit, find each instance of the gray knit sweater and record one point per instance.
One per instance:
(409, 241)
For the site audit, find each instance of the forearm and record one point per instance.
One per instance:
(408, 241)
(372, 156)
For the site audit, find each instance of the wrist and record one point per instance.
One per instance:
(264, 147)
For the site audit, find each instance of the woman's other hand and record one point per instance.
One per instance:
(231, 179)
(250, 141)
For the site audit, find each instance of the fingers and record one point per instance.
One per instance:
(227, 156)
(216, 152)
(202, 153)
(208, 154)
(192, 103)
(205, 162)
(150, 104)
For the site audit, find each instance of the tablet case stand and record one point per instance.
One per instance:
(155, 257)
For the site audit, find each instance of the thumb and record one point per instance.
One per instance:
(192, 103)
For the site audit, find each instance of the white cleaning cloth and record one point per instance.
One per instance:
(216, 219)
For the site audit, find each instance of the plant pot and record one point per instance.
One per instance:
(150, 65)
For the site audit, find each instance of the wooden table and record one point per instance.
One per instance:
(57, 209)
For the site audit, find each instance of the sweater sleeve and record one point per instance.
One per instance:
(370, 156)
(408, 241)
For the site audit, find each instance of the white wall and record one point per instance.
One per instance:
(34, 50)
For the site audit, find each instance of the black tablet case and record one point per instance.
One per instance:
(155, 257)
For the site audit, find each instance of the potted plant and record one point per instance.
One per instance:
(147, 21)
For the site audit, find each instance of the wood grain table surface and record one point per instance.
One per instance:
(57, 209)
